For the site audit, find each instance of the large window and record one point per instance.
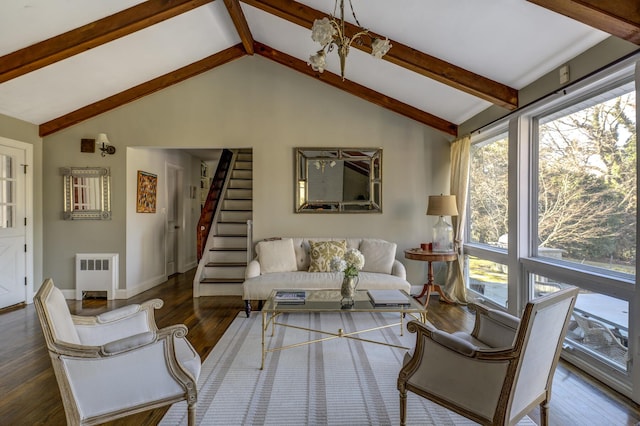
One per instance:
(488, 225)
(587, 182)
(553, 203)
(489, 175)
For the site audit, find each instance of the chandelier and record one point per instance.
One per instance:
(330, 33)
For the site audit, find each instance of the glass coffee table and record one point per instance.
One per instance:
(330, 301)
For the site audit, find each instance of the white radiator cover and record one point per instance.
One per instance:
(96, 272)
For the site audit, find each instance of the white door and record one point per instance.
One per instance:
(13, 242)
(173, 220)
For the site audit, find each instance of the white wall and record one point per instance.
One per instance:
(249, 103)
(146, 232)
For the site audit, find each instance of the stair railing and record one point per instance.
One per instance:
(214, 200)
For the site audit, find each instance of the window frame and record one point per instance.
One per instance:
(522, 258)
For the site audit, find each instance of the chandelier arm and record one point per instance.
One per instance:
(358, 35)
(335, 25)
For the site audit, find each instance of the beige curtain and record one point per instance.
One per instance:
(459, 184)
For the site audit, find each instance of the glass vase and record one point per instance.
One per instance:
(348, 290)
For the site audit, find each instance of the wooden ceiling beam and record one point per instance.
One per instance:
(142, 90)
(618, 18)
(92, 35)
(358, 90)
(239, 20)
(404, 56)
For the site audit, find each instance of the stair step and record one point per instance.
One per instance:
(244, 156)
(239, 194)
(225, 264)
(241, 184)
(235, 216)
(228, 229)
(237, 205)
(228, 249)
(241, 174)
(226, 242)
(226, 272)
(224, 256)
(222, 281)
(243, 165)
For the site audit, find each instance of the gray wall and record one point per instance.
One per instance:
(258, 104)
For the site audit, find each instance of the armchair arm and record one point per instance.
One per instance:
(142, 339)
(128, 343)
(117, 324)
(456, 344)
(119, 346)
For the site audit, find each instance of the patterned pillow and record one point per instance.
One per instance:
(322, 252)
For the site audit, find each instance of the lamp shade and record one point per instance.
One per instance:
(102, 139)
(442, 205)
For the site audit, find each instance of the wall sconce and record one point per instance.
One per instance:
(104, 145)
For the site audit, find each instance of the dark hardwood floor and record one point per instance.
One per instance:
(29, 392)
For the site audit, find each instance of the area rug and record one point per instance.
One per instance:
(335, 382)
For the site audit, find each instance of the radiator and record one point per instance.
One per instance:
(96, 272)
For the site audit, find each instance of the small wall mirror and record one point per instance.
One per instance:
(338, 180)
(87, 193)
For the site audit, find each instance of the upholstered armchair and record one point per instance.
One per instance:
(117, 363)
(500, 371)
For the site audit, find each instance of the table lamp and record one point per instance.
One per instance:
(442, 205)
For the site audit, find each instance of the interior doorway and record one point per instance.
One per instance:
(174, 219)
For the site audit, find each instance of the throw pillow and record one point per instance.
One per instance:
(322, 252)
(277, 256)
(378, 255)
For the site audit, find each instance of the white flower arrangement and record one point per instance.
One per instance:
(350, 264)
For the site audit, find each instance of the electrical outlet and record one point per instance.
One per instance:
(564, 74)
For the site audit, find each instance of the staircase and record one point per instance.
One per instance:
(224, 259)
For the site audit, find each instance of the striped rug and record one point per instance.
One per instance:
(336, 382)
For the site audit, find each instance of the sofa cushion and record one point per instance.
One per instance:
(277, 256)
(378, 255)
(322, 252)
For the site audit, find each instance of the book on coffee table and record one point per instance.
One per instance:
(388, 298)
(290, 297)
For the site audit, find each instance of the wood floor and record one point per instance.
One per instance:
(29, 393)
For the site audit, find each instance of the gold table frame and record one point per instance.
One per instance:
(322, 300)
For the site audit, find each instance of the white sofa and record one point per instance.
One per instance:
(284, 263)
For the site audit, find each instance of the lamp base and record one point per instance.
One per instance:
(442, 237)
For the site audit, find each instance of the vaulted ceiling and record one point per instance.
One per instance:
(64, 61)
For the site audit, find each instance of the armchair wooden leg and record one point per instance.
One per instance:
(544, 414)
(191, 419)
(403, 408)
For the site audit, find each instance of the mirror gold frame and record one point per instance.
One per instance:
(87, 193)
(338, 180)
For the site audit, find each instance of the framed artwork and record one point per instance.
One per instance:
(87, 145)
(147, 186)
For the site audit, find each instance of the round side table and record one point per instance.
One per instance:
(430, 257)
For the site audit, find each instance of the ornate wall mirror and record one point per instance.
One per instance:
(87, 193)
(338, 180)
